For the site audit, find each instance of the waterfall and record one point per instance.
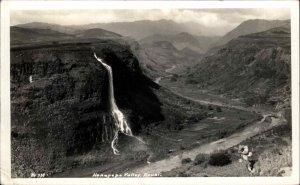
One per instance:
(120, 122)
(30, 79)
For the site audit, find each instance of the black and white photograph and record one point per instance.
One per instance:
(151, 92)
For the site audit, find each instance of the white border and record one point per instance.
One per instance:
(7, 6)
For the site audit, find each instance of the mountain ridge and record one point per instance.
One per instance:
(136, 29)
(250, 26)
(254, 66)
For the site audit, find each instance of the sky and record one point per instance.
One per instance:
(220, 20)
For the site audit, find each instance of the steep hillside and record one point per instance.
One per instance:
(251, 26)
(180, 41)
(165, 51)
(162, 56)
(183, 40)
(255, 66)
(190, 52)
(149, 65)
(207, 42)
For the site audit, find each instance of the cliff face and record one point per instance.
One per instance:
(59, 100)
(255, 67)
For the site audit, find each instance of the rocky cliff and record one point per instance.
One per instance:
(59, 101)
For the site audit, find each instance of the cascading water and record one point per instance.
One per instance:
(119, 118)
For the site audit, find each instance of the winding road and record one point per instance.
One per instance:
(222, 144)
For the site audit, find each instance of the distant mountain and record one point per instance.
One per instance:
(37, 35)
(136, 29)
(141, 29)
(207, 42)
(200, 44)
(190, 52)
(55, 27)
(148, 65)
(158, 57)
(255, 66)
(164, 52)
(180, 41)
(97, 33)
(251, 26)
(29, 35)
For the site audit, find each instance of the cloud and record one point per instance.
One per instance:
(219, 20)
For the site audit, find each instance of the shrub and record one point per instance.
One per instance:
(210, 107)
(140, 156)
(197, 117)
(241, 118)
(174, 78)
(252, 98)
(182, 147)
(222, 134)
(200, 159)
(219, 159)
(183, 174)
(191, 81)
(219, 109)
(186, 160)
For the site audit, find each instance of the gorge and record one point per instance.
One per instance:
(97, 102)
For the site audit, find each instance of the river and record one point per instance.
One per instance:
(158, 79)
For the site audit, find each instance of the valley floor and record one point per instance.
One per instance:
(166, 148)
